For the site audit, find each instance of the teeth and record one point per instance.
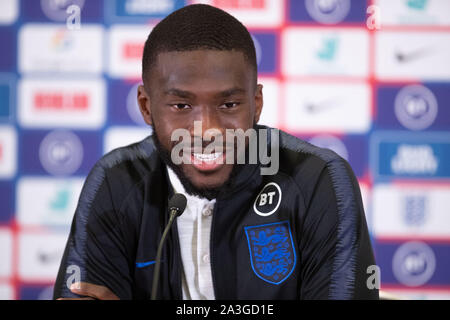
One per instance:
(207, 157)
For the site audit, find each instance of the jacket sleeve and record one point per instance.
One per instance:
(335, 248)
(96, 251)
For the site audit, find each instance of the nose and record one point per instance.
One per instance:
(207, 119)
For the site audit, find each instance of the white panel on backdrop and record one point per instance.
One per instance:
(327, 107)
(271, 107)
(126, 45)
(40, 254)
(412, 55)
(429, 12)
(55, 48)
(252, 13)
(411, 211)
(5, 253)
(325, 52)
(9, 10)
(8, 152)
(55, 103)
(6, 292)
(116, 137)
(47, 201)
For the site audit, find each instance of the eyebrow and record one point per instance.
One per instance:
(187, 94)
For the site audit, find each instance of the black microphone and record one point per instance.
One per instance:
(177, 204)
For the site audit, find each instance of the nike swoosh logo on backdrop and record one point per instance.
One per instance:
(405, 56)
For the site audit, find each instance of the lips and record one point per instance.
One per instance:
(207, 162)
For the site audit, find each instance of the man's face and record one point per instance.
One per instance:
(214, 87)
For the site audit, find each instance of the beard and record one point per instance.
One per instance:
(189, 187)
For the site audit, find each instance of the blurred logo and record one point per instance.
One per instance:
(52, 48)
(126, 46)
(415, 207)
(133, 106)
(62, 103)
(61, 153)
(332, 143)
(8, 150)
(39, 255)
(328, 11)
(414, 263)
(239, 4)
(416, 4)
(138, 7)
(47, 201)
(328, 50)
(414, 159)
(416, 107)
(61, 40)
(56, 10)
(53, 101)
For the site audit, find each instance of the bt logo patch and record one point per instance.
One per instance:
(268, 200)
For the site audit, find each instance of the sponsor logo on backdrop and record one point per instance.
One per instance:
(47, 201)
(133, 106)
(5, 253)
(416, 107)
(411, 210)
(325, 52)
(414, 263)
(9, 11)
(140, 11)
(409, 155)
(8, 152)
(55, 48)
(332, 143)
(328, 12)
(61, 103)
(139, 7)
(252, 13)
(415, 208)
(414, 159)
(126, 46)
(56, 10)
(414, 12)
(61, 153)
(310, 108)
(412, 55)
(40, 255)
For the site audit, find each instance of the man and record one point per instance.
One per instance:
(298, 233)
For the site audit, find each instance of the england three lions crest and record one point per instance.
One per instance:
(272, 251)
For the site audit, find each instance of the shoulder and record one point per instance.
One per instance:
(117, 172)
(308, 164)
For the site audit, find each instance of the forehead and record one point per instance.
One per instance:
(201, 68)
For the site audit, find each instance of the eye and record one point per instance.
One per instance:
(181, 106)
(230, 105)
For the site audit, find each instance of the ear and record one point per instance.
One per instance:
(259, 101)
(144, 104)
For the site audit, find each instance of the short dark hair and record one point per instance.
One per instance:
(198, 27)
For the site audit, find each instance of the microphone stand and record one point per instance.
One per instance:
(173, 215)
